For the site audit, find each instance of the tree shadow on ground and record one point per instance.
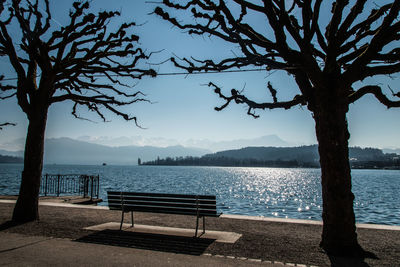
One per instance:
(9, 224)
(352, 261)
(165, 243)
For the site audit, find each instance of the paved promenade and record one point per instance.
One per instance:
(80, 235)
(23, 250)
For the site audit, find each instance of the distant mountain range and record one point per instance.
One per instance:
(263, 141)
(214, 146)
(140, 141)
(70, 151)
(18, 154)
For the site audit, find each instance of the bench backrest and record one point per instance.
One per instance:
(201, 205)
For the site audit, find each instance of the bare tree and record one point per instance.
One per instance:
(329, 66)
(83, 62)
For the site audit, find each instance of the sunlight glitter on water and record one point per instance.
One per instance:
(278, 192)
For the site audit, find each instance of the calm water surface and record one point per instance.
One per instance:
(269, 192)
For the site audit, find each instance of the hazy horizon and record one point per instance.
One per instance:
(17, 144)
(140, 141)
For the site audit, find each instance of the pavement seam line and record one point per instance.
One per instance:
(258, 260)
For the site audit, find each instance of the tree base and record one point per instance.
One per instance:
(19, 219)
(347, 251)
(25, 211)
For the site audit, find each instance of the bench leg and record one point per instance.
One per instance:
(122, 220)
(197, 226)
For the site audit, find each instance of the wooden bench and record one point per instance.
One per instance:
(196, 205)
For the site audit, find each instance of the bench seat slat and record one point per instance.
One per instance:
(155, 209)
(162, 202)
(167, 204)
(158, 200)
(127, 194)
(166, 200)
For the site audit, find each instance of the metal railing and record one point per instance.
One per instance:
(61, 184)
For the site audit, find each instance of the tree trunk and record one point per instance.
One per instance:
(339, 231)
(26, 208)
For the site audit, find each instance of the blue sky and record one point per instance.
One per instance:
(183, 108)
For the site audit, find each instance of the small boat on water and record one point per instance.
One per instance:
(104, 164)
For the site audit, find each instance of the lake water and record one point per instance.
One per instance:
(270, 192)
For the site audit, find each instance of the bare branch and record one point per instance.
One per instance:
(273, 92)
(6, 88)
(238, 98)
(377, 92)
(355, 11)
(6, 124)
(385, 35)
(196, 65)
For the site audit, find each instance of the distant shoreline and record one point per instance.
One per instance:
(11, 159)
(285, 167)
(390, 168)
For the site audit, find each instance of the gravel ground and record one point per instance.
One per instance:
(270, 241)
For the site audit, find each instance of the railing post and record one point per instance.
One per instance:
(45, 185)
(91, 187)
(80, 184)
(58, 184)
(86, 186)
(197, 219)
(98, 185)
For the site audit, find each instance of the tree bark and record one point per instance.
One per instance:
(26, 208)
(339, 231)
